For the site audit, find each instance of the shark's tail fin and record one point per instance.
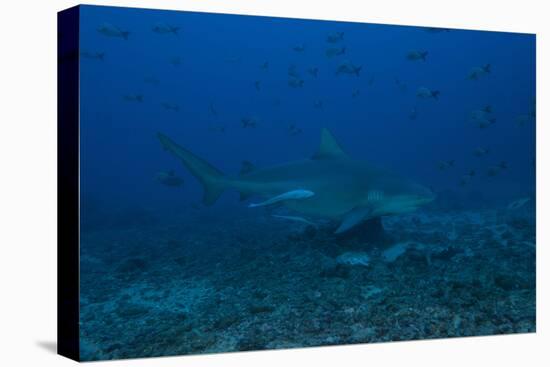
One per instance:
(212, 180)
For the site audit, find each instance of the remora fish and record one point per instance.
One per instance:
(291, 195)
(343, 188)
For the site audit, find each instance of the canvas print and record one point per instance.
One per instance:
(251, 183)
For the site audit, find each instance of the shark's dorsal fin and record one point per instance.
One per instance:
(329, 148)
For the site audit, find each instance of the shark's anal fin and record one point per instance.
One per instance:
(352, 218)
(329, 148)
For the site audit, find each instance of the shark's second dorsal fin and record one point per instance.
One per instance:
(329, 148)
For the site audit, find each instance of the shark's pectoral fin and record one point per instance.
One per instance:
(352, 218)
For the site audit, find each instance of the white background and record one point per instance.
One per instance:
(28, 182)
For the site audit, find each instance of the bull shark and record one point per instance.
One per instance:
(328, 185)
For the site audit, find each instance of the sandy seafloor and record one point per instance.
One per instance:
(249, 282)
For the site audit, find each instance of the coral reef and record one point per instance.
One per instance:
(250, 283)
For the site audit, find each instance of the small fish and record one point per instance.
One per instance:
(110, 30)
(413, 114)
(464, 180)
(313, 71)
(495, 170)
(133, 98)
(248, 122)
(293, 72)
(169, 178)
(257, 85)
(417, 55)
(265, 65)
(293, 130)
(163, 28)
(299, 194)
(92, 55)
(355, 93)
(296, 82)
(318, 104)
(217, 128)
(481, 152)
(482, 113)
(401, 85)
(295, 219)
(170, 106)
(335, 37)
(175, 61)
(485, 122)
(151, 80)
(299, 48)
(443, 165)
(335, 51)
(246, 167)
(371, 80)
(348, 68)
(488, 109)
(516, 204)
(426, 93)
(479, 71)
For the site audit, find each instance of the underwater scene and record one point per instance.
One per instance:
(251, 183)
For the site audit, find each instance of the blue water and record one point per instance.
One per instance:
(164, 274)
